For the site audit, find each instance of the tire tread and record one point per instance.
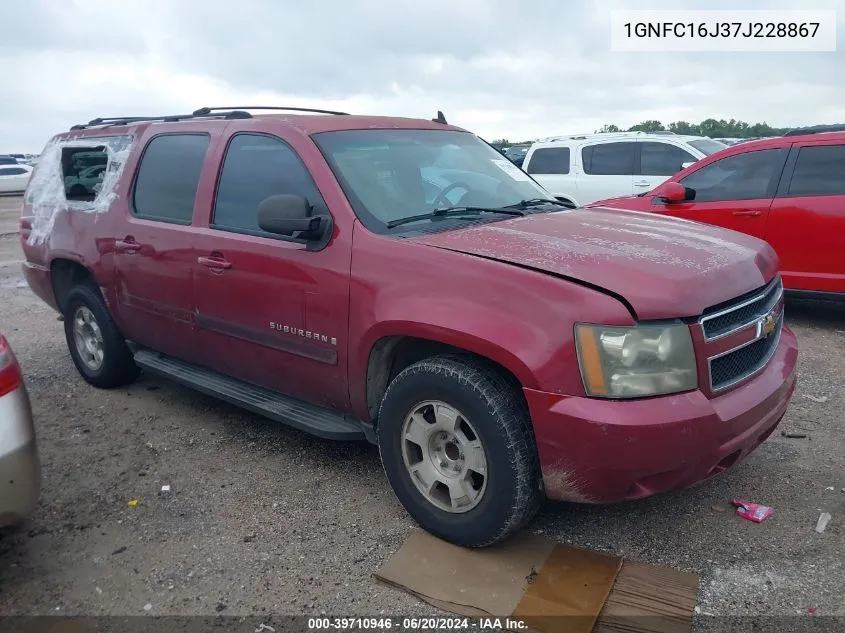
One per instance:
(507, 409)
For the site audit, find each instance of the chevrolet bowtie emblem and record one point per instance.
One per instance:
(768, 325)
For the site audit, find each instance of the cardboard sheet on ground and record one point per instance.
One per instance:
(549, 586)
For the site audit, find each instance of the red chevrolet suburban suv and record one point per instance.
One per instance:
(788, 190)
(400, 281)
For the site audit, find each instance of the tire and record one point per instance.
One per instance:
(509, 494)
(116, 367)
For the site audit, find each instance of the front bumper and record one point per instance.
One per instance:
(602, 451)
(20, 468)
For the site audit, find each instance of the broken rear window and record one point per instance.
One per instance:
(83, 169)
(75, 174)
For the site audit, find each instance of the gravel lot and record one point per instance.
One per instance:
(263, 519)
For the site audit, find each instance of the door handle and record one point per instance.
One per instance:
(214, 262)
(127, 245)
(747, 212)
(642, 183)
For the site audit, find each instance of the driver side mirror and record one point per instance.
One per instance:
(675, 192)
(288, 214)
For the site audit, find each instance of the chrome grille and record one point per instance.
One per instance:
(757, 310)
(737, 365)
(743, 313)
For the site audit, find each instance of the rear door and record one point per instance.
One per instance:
(658, 161)
(153, 250)
(734, 192)
(807, 220)
(607, 170)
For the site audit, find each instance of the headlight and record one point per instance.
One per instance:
(632, 362)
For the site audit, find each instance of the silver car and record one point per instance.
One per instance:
(20, 468)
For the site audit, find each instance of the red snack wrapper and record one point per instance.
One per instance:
(752, 511)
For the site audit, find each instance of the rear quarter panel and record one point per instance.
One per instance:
(82, 233)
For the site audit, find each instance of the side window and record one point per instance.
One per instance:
(76, 161)
(11, 171)
(739, 177)
(609, 159)
(257, 167)
(168, 176)
(549, 160)
(662, 159)
(819, 171)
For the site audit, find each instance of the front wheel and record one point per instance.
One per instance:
(457, 446)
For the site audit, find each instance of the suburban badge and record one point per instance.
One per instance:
(294, 331)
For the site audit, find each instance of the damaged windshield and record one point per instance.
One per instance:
(392, 176)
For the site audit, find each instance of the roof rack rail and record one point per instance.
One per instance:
(621, 133)
(206, 110)
(169, 118)
(816, 129)
(238, 112)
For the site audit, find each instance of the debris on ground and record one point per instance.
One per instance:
(791, 435)
(718, 507)
(824, 519)
(119, 550)
(752, 511)
(148, 607)
(831, 488)
(819, 399)
(133, 503)
(538, 581)
(165, 488)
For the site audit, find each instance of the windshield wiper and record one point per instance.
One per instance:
(536, 202)
(453, 211)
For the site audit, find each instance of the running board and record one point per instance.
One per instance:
(301, 415)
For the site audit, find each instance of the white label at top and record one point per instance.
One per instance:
(509, 168)
(723, 31)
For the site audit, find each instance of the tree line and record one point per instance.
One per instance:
(714, 128)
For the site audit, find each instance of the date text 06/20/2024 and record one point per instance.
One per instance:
(414, 624)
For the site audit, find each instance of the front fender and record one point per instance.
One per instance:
(496, 336)
(521, 319)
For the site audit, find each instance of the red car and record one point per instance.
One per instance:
(788, 190)
(400, 281)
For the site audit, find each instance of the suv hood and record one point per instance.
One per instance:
(609, 202)
(663, 267)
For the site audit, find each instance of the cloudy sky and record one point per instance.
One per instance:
(501, 68)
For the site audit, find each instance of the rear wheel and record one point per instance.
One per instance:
(96, 346)
(456, 443)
